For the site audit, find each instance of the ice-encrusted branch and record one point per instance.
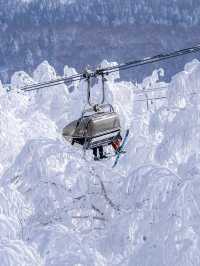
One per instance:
(104, 192)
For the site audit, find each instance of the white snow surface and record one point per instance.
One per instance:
(59, 209)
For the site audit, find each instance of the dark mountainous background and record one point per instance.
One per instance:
(84, 32)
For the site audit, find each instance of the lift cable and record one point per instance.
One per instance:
(50, 84)
(149, 60)
(53, 82)
(106, 71)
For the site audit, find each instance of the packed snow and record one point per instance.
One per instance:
(60, 208)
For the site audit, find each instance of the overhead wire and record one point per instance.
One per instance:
(142, 91)
(151, 99)
(149, 60)
(112, 69)
(52, 83)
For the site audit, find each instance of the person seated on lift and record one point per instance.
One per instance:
(115, 144)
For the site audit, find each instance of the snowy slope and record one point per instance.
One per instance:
(58, 209)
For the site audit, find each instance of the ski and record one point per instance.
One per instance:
(120, 150)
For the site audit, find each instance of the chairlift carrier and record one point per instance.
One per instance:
(98, 126)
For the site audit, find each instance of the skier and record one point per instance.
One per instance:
(115, 144)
